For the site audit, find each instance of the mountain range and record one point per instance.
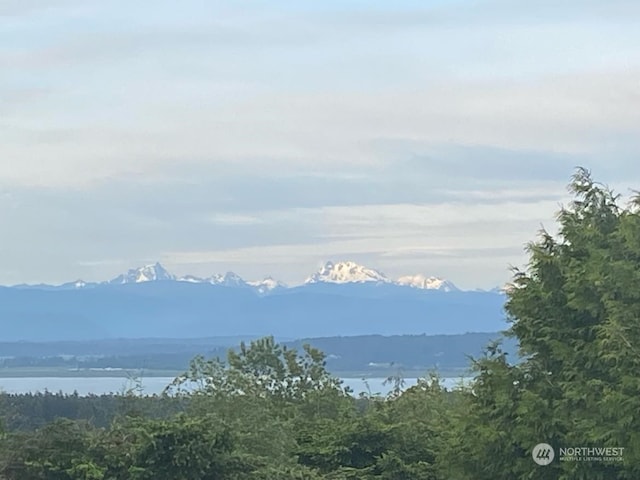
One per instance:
(341, 299)
(337, 273)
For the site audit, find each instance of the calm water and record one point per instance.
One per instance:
(151, 385)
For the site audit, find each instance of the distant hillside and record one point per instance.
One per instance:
(372, 355)
(172, 309)
(404, 352)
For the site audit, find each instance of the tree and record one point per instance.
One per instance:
(575, 311)
(267, 394)
(264, 369)
(180, 448)
(61, 450)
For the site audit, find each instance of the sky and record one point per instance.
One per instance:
(269, 137)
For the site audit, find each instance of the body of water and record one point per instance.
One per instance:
(155, 385)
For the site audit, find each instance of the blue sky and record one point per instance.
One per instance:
(267, 138)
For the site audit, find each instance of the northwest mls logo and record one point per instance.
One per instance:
(543, 454)
(592, 454)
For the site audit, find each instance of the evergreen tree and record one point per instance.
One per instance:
(575, 312)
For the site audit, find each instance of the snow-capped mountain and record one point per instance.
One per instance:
(346, 272)
(156, 272)
(78, 284)
(427, 283)
(148, 273)
(351, 272)
(151, 302)
(267, 285)
(229, 279)
(191, 279)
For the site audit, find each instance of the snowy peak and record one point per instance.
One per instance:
(346, 272)
(229, 279)
(351, 272)
(191, 279)
(78, 284)
(427, 283)
(148, 273)
(266, 285)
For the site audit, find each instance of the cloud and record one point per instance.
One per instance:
(266, 225)
(230, 219)
(382, 234)
(290, 133)
(322, 133)
(22, 8)
(128, 89)
(106, 262)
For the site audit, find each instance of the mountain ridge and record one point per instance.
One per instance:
(344, 299)
(338, 273)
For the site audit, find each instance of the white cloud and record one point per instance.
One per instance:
(392, 235)
(230, 219)
(588, 115)
(133, 89)
(282, 134)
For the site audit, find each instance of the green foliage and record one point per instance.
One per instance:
(263, 369)
(60, 450)
(35, 410)
(267, 414)
(574, 312)
(181, 448)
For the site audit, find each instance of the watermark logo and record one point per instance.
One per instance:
(591, 454)
(543, 454)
